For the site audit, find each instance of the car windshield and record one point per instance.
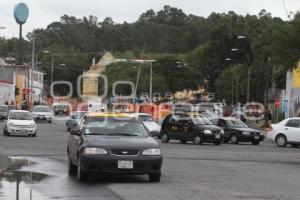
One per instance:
(3, 108)
(20, 116)
(60, 107)
(236, 124)
(201, 121)
(146, 118)
(114, 127)
(41, 109)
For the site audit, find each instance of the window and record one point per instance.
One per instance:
(295, 123)
(40, 78)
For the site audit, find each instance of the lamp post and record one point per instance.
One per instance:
(52, 64)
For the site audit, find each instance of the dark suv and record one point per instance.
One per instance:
(185, 127)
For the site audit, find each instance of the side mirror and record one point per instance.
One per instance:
(154, 133)
(75, 131)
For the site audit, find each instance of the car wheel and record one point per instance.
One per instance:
(165, 138)
(256, 142)
(197, 140)
(183, 141)
(72, 169)
(34, 135)
(233, 139)
(50, 121)
(281, 140)
(295, 145)
(81, 175)
(68, 129)
(217, 143)
(4, 132)
(155, 177)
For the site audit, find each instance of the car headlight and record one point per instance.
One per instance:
(32, 125)
(11, 124)
(94, 151)
(222, 131)
(152, 152)
(207, 132)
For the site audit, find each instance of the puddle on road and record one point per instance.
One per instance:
(15, 183)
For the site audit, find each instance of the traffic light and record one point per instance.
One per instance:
(17, 91)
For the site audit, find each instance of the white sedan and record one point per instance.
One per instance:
(19, 122)
(148, 121)
(286, 132)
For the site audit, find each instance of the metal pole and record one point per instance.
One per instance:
(232, 91)
(248, 86)
(20, 60)
(150, 94)
(17, 188)
(237, 90)
(137, 81)
(33, 50)
(52, 68)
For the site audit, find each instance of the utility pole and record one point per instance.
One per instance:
(248, 85)
(150, 93)
(237, 90)
(137, 81)
(52, 68)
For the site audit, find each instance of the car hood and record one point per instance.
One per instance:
(152, 126)
(245, 129)
(22, 122)
(121, 142)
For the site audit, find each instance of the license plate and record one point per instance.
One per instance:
(218, 136)
(125, 164)
(246, 133)
(256, 137)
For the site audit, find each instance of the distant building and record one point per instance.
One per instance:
(91, 77)
(292, 93)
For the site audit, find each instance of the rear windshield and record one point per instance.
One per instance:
(41, 109)
(61, 107)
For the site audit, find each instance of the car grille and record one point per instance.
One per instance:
(23, 126)
(216, 132)
(124, 152)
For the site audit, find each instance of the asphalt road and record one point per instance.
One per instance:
(207, 172)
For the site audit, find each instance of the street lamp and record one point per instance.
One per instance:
(241, 37)
(52, 60)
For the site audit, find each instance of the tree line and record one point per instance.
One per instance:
(219, 50)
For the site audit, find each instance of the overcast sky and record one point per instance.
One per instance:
(43, 12)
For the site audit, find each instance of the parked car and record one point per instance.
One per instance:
(61, 109)
(19, 122)
(3, 112)
(185, 127)
(42, 113)
(286, 132)
(237, 131)
(149, 122)
(74, 119)
(115, 144)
